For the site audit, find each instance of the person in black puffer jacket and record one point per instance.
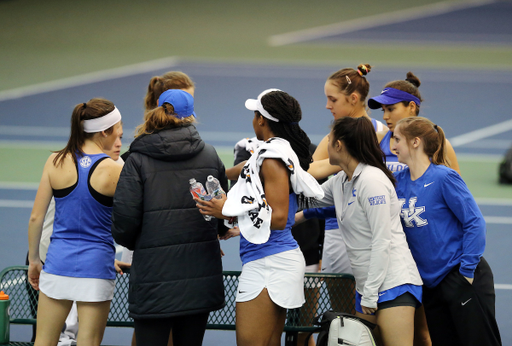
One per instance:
(176, 273)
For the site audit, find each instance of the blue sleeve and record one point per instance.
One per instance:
(460, 201)
(320, 213)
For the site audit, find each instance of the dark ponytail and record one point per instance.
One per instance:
(361, 141)
(284, 107)
(92, 109)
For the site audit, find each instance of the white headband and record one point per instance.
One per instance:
(255, 105)
(102, 123)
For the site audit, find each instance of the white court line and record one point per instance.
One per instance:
(490, 144)
(481, 133)
(479, 157)
(12, 203)
(372, 21)
(503, 286)
(5, 185)
(494, 201)
(40, 131)
(88, 78)
(498, 220)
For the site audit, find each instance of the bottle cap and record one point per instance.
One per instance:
(191, 181)
(3, 296)
(210, 178)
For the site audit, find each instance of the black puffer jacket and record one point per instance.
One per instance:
(177, 268)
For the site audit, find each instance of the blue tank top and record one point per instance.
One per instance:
(375, 124)
(82, 244)
(279, 241)
(391, 159)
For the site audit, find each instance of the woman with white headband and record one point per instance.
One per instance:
(79, 263)
(265, 199)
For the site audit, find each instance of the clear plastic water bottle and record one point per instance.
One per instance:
(213, 187)
(197, 190)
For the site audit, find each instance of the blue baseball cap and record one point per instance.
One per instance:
(390, 96)
(182, 102)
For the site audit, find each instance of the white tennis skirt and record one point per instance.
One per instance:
(76, 289)
(281, 274)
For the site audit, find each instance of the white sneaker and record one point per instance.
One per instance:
(66, 341)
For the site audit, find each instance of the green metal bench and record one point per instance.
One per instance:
(323, 292)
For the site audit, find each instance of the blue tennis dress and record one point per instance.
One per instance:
(81, 251)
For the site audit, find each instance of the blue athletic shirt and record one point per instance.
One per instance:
(279, 241)
(391, 159)
(442, 222)
(82, 244)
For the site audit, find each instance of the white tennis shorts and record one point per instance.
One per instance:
(281, 274)
(76, 289)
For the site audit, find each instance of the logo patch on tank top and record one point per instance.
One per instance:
(85, 161)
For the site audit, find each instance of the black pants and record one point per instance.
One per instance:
(186, 330)
(460, 313)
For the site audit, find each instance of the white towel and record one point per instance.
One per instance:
(247, 144)
(246, 199)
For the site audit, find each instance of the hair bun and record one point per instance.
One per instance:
(411, 78)
(364, 69)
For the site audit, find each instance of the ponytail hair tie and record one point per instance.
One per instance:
(435, 128)
(84, 106)
(363, 70)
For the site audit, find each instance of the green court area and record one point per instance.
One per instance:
(26, 165)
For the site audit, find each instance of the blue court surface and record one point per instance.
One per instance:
(39, 116)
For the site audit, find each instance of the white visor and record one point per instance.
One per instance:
(102, 123)
(255, 105)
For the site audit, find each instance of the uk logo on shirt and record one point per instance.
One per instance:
(411, 215)
(85, 161)
(377, 200)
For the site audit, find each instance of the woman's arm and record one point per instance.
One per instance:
(234, 172)
(276, 182)
(320, 168)
(450, 153)
(461, 202)
(35, 224)
(375, 199)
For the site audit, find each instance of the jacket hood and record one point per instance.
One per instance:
(171, 144)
